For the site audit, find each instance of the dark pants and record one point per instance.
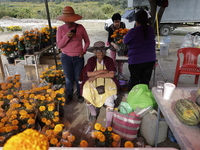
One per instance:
(72, 67)
(140, 73)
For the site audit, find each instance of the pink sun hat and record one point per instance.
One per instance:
(68, 15)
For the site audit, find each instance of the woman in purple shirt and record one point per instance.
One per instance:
(141, 53)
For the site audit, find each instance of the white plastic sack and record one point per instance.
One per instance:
(191, 41)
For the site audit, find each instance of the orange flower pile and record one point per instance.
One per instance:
(29, 139)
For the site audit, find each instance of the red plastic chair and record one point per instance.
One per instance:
(189, 64)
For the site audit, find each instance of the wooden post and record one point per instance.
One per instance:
(2, 75)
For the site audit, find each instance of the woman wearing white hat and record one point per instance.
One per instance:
(70, 38)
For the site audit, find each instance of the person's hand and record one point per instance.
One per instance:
(81, 54)
(91, 79)
(70, 34)
(115, 46)
(104, 71)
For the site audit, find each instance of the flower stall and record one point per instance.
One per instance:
(29, 42)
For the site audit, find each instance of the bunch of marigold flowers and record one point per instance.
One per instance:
(104, 137)
(29, 139)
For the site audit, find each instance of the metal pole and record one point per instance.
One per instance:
(49, 22)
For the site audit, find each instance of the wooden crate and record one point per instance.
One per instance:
(31, 71)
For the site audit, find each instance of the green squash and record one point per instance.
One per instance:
(187, 111)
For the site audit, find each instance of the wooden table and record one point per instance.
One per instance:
(120, 59)
(35, 56)
(124, 59)
(188, 137)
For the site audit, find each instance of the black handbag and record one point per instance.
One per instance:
(100, 89)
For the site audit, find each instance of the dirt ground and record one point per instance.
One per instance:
(96, 32)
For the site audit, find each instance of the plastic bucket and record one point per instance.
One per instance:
(164, 49)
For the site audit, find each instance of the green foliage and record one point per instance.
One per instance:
(89, 9)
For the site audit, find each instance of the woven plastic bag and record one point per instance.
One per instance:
(141, 96)
(126, 125)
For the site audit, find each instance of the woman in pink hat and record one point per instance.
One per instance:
(70, 38)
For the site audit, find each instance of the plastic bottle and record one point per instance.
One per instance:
(167, 39)
(171, 136)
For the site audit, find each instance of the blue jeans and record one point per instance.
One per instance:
(72, 67)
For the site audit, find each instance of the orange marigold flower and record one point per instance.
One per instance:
(4, 119)
(54, 141)
(8, 128)
(9, 97)
(23, 112)
(67, 143)
(97, 126)
(42, 98)
(44, 120)
(116, 137)
(42, 108)
(56, 113)
(58, 128)
(56, 119)
(103, 129)
(83, 143)
(128, 144)
(71, 138)
(102, 138)
(31, 121)
(48, 122)
(50, 108)
(114, 144)
(14, 122)
(109, 128)
(65, 134)
(94, 134)
(15, 127)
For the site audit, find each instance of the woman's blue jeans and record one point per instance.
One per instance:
(72, 67)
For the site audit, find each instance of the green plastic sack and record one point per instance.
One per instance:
(141, 96)
(125, 108)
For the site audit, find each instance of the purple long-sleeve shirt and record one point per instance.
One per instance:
(140, 50)
(75, 46)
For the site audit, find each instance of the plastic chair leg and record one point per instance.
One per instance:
(196, 79)
(176, 78)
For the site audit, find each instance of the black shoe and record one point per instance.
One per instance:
(69, 99)
(80, 99)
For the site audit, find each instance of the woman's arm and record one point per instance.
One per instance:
(109, 74)
(95, 73)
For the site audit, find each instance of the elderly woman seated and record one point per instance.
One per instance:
(99, 72)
